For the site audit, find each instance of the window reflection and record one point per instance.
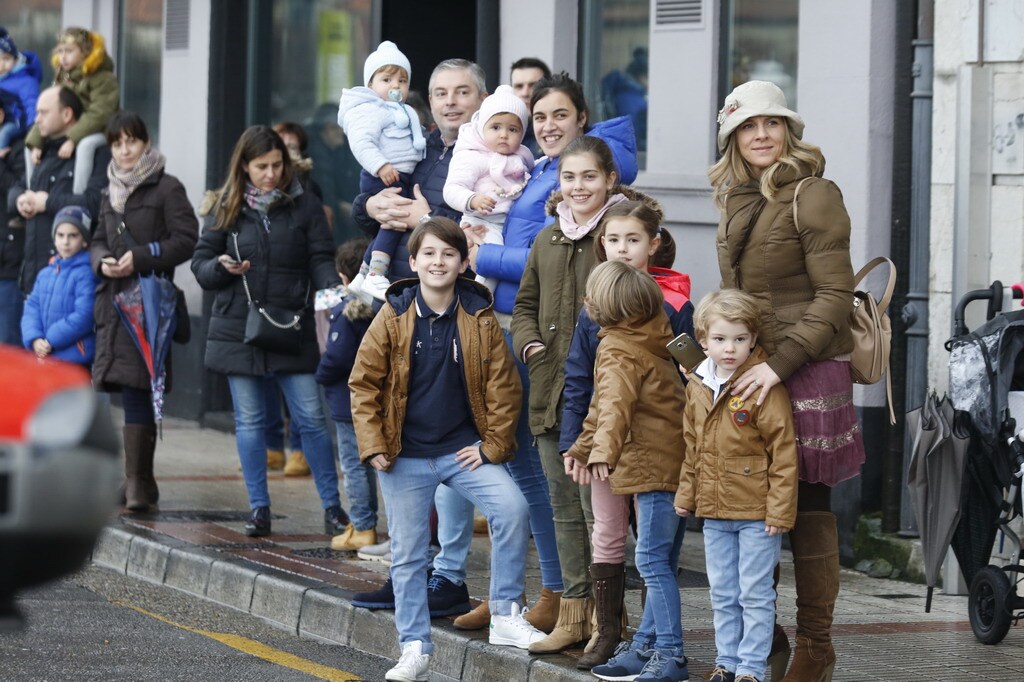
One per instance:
(613, 61)
(34, 25)
(759, 42)
(139, 58)
(319, 47)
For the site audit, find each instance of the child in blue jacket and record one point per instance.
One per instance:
(349, 321)
(20, 74)
(58, 316)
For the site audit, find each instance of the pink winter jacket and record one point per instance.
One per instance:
(475, 169)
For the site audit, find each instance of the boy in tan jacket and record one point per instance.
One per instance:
(740, 475)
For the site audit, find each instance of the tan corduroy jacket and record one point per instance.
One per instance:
(635, 422)
(740, 460)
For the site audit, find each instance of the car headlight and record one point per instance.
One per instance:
(63, 418)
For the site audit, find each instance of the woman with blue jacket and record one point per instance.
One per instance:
(559, 112)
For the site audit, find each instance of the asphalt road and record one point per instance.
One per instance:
(98, 625)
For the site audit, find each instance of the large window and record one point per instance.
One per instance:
(318, 48)
(759, 42)
(33, 24)
(614, 38)
(139, 60)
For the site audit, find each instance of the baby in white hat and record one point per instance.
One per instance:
(387, 140)
(490, 167)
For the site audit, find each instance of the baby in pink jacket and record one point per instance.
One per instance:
(489, 168)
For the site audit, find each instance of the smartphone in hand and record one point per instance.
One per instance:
(686, 351)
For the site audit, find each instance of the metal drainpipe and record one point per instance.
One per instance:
(915, 312)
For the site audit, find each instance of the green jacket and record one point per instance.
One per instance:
(549, 301)
(96, 85)
(802, 278)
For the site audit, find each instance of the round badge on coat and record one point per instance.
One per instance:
(741, 417)
(735, 403)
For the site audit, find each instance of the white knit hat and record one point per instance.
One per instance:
(503, 101)
(754, 98)
(386, 54)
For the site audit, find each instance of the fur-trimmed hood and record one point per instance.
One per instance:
(357, 309)
(96, 60)
(631, 194)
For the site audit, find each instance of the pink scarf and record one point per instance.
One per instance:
(568, 224)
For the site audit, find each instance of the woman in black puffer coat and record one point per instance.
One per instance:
(266, 232)
(155, 211)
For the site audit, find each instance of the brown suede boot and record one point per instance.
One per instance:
(477, 619)
(778, 657)
(815, 543)
(544, 613)
(572, 626)
(609, 588)
(140, 488)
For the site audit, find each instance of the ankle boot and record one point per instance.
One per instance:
(477, 619)
(140, 489)
(609, 588)
(572, 626)
(815, 543)
(544, 613)
(778, 656)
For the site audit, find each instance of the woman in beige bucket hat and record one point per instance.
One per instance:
(799, 270)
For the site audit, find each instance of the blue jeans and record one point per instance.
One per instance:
(360, 481)
(455, 513)
(274, 420)
(528, 474)
(741, 558)
(248, 394)
(11, 304)
(454, 533)
(408, 489)
(659, 531)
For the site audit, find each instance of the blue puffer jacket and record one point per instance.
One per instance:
(579, 364)
(430, 174)
(527, 217)
(59, 309)
(22, 81)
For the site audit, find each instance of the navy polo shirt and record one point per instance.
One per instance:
(438, 420)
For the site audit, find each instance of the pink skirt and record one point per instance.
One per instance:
(829, 444)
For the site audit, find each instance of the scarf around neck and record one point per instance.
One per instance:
(572, 230)
(259, 200)
(124, 182)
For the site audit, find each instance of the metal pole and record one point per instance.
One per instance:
(915, 312)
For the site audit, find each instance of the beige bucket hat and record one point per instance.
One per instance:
(754, 98)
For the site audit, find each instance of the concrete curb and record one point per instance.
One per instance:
(311, 608)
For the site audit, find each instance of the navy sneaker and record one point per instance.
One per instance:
(384, 598)
(258, 525)
(445, 598)
(663, 667)
(625, 664)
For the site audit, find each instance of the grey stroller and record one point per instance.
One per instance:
(986, 386)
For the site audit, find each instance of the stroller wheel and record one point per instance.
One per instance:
(989, 605)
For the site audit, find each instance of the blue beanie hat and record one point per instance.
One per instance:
(7, 43)
(77, 216)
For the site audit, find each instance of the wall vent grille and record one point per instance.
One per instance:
(678, 13)
(176, 31)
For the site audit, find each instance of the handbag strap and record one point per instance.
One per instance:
(890, 286)
(260, 309)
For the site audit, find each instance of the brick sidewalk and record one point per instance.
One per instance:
(881, 631)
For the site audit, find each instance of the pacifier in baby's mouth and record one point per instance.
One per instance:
(395, 95)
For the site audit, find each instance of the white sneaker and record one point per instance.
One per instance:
(514, 630)
(412, 666)
(380, 552)
(376, 285)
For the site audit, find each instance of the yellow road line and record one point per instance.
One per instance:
(254, 648)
